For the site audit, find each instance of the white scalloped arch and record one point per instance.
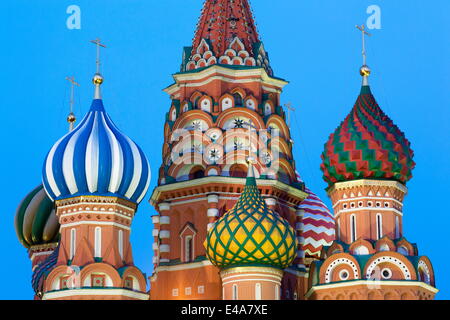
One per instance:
(338, 262)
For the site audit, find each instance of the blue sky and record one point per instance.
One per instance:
(312, 43)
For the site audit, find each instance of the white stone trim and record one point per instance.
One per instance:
(187, 266)
(164, 220)
(164, 248)
(63, 215)
(164, 234)
(224, 76)
(366, 198)
(101, 223)
(155, 219)
(164, 206)
(271, 201)
(337, 262)
(213, 212)
(213, 198)
(225, 180)
(251, 279)
(382, 259)
(367, 182)
(338, 213)
(95, 292)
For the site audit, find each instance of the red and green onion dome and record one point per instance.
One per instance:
(367, 145)
(35, 221)
(251, 234)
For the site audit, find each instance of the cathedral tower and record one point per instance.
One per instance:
(96, 177)
(225, 108)
(367, 162)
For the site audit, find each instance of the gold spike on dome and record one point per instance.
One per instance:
(251, 234)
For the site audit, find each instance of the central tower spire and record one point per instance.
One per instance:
(226, 34)
(223, 20)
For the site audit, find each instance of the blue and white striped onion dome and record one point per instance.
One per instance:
(96, 159)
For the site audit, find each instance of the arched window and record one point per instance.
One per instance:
(339, 229)
(352, 228)
(267, 109)
(402, 250)
(397, 227)
(120, 243)
(237, 100)
(188, 249)
(196, 173)
(235, 292)
(98, 242)
(258, 291)
(379, 226)
(238, 171)
(196, 103)
(73, 240)
(361, 250)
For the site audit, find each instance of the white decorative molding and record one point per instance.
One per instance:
(186, 266)
(406, 272)
(423, 266)
(164, 234)
(367, 182)
(155, 219)
(337, 262)
(213, 212)
(155, 232)
(300, 213)
(100, 223)
(213, 198)
(95, 292)
(339, 212)
(164, 220)
(164, 248)
(271, 201)
(164, 206)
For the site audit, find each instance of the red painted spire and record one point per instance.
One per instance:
(222, 21)
(226, 34)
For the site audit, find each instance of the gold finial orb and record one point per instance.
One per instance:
(71, 118)
(365, 71)
(251, 160)
(98, 79)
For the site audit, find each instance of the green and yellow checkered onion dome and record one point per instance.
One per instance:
(250, 234)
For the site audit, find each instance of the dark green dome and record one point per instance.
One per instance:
(36, 222)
